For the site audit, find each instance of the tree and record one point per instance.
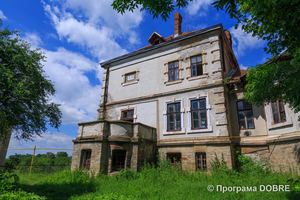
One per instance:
(25, 90)
(276, 21)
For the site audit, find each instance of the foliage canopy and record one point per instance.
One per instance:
(25, 90)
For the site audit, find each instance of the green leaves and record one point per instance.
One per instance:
(158, 8)
(277, 79)
(24, 89)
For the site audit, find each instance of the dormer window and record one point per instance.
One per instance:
(156, 38)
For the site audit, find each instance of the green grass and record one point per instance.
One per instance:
(162, 182)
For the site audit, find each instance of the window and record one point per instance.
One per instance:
(199, 115)
(175, 159)
(173, 71)
(201, 161)
(86, 159)
(245, 115)
(174, 117)
(196, 65)
(278, 112)
(118, 160)
(130, 77)
(127, 115)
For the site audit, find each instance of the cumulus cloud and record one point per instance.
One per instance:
(242, 41)
(79, 98)
(48, 140)
(101, 12)
(199, 7)
(2, 16)
(95, 27)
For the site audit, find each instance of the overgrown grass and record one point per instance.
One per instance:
(162, 182)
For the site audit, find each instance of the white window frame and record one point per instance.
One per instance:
(129, 108)
(270, 118)
(208, 108)
(165, 131)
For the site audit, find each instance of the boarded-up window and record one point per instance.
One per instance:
(201, 161)
(245, 115)
(130, 77)
(118, 160)
(86, 159)
(278, 112)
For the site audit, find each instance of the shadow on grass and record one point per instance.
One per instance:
(59, 191)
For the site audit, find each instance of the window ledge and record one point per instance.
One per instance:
(190, 78)
(165, 132)
(288, 122)
(173, 82)
(130, 83)
(208, 129)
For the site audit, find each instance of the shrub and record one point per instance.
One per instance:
(127, 174)
(246, 165)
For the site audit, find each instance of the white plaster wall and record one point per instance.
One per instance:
(145, 112)
(151, 69)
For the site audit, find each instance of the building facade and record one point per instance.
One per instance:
(170, 99)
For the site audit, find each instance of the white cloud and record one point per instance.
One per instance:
(95, 27)
(242, 41)
(101, 12)
(33, 38)
(48, 140)
(79, 98)
(2, 16)
(243, 67)
(199, 7)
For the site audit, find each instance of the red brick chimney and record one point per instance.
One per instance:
(178, 21)
(228, 35)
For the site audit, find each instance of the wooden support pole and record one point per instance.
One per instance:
(32, 159)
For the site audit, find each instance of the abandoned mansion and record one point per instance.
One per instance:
(170, 99)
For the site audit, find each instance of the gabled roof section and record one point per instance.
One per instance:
(239, 73)
(156, 38)
(169, 40)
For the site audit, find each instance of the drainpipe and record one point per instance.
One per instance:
(105, 91)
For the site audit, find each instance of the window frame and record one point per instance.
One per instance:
(199, 109)
(209, 127)
(84, 154)
(165, 130)
(204, 66)
(174, 70)
(177, 162)
(203, 165)
(246, 123)
(279, 105)
(191, 58)
(180, 69)
(128, 108)
(128, 73)
(174, 115)
(128, 114)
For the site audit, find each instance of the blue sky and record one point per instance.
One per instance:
(76, 35)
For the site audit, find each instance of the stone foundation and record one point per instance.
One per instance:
(281, 155)
(188, 153)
